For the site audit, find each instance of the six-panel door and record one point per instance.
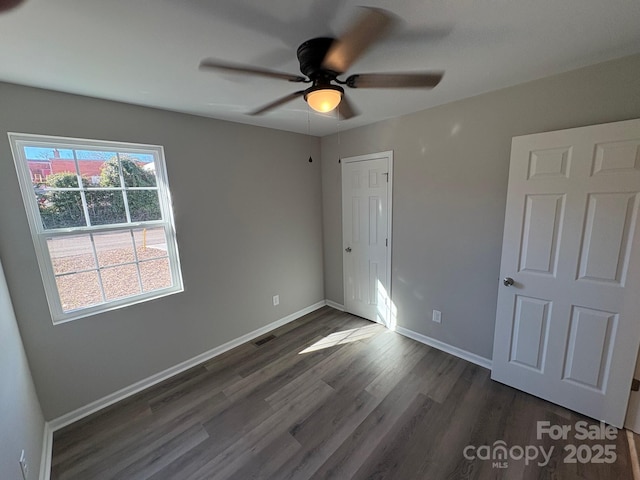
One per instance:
(364, 223)
(568, 329)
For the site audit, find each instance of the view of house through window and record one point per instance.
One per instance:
(101, 220)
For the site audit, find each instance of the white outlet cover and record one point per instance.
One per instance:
(437, 316)
(276, 300)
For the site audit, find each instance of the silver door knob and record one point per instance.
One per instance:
(507, 281)
(348, 249)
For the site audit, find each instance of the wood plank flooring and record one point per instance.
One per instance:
(331, 396)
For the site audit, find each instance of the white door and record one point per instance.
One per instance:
(366, 232)
(568, 329)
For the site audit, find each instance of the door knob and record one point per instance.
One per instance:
(507, 281)
(348, 249)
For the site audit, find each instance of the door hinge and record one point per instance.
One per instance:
(635, 385)
(386, 174)
(386, 242)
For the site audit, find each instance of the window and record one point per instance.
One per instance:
(101, 221)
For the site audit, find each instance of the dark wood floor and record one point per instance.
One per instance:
(332, 396)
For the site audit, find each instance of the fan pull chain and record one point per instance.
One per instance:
(309, 133)
(338, 133)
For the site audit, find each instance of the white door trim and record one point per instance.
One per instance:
(373, 156)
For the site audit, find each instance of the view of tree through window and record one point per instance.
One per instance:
(103, 222)
(71, 198)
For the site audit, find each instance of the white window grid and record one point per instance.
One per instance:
(40, 235)
(99, 269)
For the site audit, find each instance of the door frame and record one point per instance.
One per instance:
(388, 154)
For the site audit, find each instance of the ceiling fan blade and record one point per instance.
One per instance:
(212, 64)
(277, 103)
(346, 110)
(359, 36)
(395, 80)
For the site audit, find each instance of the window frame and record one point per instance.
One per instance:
(40, 235)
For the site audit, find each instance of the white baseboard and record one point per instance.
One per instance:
(445, 347)
(432, 342)
(114, 397)
(332, 304)
(47, 445)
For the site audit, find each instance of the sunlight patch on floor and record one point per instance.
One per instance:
(345, 336)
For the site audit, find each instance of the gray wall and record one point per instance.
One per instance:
(21, 420)
(248, 216)
(451, 166)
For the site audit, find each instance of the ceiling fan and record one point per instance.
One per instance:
(323, 59)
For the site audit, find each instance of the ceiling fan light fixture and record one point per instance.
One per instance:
(324, 98)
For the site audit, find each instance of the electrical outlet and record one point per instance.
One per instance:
(276, 300)
(437, 316)
(23, 465)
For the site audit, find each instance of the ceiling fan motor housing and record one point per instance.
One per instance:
(311, 54)
(323, 86)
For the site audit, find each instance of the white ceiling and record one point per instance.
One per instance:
(147, 51)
